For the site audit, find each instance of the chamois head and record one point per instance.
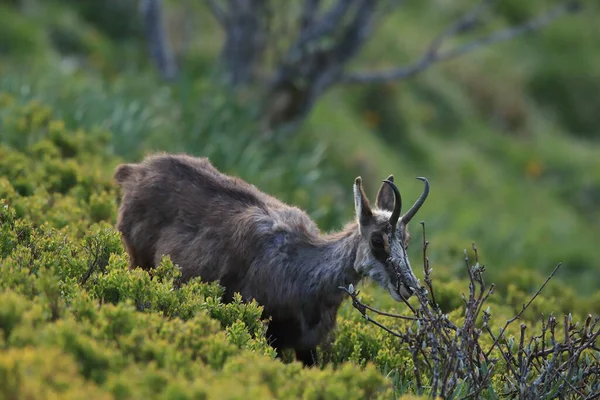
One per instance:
(385, 238)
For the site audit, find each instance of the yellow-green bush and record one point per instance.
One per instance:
(122, 333)
(77, 321)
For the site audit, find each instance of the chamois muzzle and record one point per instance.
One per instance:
(406, 282)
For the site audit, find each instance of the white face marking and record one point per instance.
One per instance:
(382, 214)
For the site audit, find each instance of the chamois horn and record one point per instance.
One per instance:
(413, 210)
(397, 204)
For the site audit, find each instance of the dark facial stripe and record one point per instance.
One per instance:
(380, 254)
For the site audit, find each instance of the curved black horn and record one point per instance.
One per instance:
(413, 210)
(397, 204)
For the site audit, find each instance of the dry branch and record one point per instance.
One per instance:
(434, 54)
(453, 357)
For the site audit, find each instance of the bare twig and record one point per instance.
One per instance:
(518, 315)
(445, 354)
(427, 269)
(96, 260)
(363, 307)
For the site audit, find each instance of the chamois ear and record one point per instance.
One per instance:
(361, 203)
(385, 196)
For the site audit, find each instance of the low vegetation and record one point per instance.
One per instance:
(512, 161)
(68, 295)
(78, 323)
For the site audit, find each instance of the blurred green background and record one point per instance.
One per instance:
(508, 136)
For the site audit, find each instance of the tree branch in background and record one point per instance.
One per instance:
(327, 36)
(315, 60)
(324, 26)
(158, 44)
(466, 23)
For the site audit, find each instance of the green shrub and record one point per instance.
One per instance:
(118, 18)
(66, 292)
(19, 36)
(76, 322)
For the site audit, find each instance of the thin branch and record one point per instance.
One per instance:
(362, 309)
(466, 23)
(434, 55)
(427, 270)
(363, 306)
(518, 315)
(593, 397)
(535, 295)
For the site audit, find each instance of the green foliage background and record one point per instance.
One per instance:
(507, 136)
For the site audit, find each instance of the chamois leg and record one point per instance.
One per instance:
(307, 357)
(278, 353)
(274, 342)
(135, 259)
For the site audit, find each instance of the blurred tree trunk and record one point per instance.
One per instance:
(157, 42)
(246, 27)
(316, 59)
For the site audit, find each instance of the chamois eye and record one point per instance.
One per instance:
(377, 241)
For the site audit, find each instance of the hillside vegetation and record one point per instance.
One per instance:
(508, 138)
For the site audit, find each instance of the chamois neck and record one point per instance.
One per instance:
(333, 259)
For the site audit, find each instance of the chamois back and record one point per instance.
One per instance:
(212, 225)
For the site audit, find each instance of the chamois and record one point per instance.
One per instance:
(221, 228)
